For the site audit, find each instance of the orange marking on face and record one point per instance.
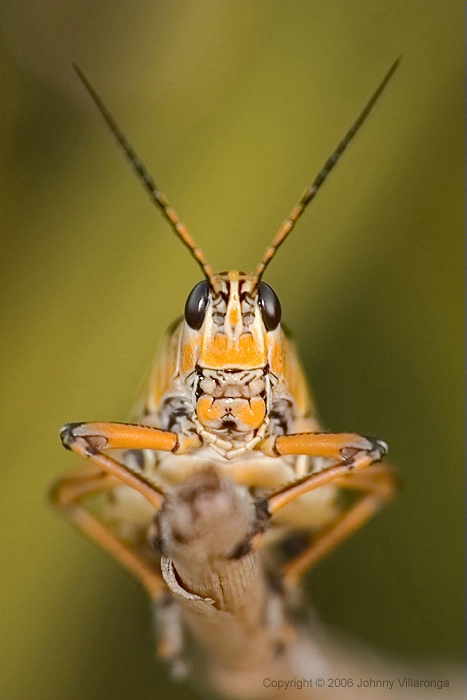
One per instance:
(220, 352)
(234, 316)
(189, 353)
(247, 414)
(251, 413)
(276, 355)
(208, 410)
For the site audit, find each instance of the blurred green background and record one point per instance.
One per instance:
(234, 106)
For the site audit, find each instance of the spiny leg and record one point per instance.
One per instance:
(129, 436)
(89, 439)
(380, 484)
(354, 452)
(66, 496)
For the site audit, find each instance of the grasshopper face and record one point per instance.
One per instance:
(232, 353)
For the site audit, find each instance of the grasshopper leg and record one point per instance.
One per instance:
(89, 440)
(353, 453)
(67, 495)
(378, 485)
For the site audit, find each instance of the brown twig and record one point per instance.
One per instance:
(250, 649)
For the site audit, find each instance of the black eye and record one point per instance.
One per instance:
(196, 303)
(270, 306)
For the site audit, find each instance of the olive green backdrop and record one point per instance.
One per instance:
(234, 106)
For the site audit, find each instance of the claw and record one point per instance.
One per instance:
(376, 450)
(72, 431)
(67, 435)
(378, 446)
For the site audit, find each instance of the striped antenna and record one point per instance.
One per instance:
(146, 178)
(311, 191)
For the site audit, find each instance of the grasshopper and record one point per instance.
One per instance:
(228, 394)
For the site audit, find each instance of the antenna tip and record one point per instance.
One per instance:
(80, 75)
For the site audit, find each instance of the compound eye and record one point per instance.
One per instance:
(195, 307)
(270, 306)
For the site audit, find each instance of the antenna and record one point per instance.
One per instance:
(147, 180)
(320, 178)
